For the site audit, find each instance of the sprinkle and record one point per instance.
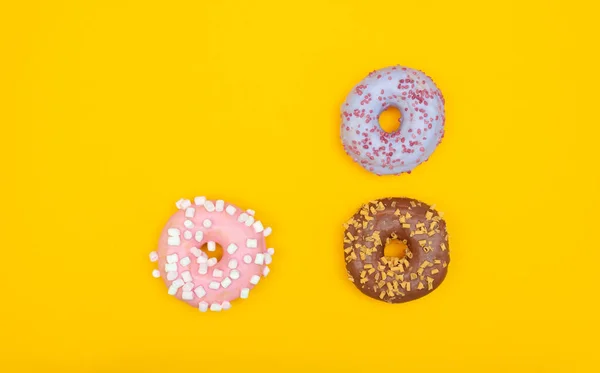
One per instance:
(177, 283)
(186, 276)
(249, 221)
(171, 267)
(173, 241)
(271, 251)
(185, 261)
(251, 243)
(226, 282)
(172, 275)
(199, 236)
(206, 223)
(216, 307)
(172, 290)
(382, 294)
(199, 201)
(234, 274)
(156, 273)
(268, 259)
(188, 223)
(217, 273)
(219, 205)
(183, 204)
(266, 271)
(232, 248)
(187, 295)
(230, 210)
(187, 235)
(211, 262)
(259, 259)
(444, 264)
(406, 225)
(225, 305)
(188, 286)
(209, 206)
(203, 306)
(371, 271)
(173, 258)
(153, 256)
(363, 274)
(173, 232)
(233, 263)
(268, 231)
(214, 285)
(244, 293)
(420, 286)
(422, 242)
(251, 212)
(200, 292)
(212, 246)
(243, 217)
(420, 271)
(258, 227)
(247, 259)
(413, 276)
(434, 271)
(443, 246)
(196, 251)
(367, 266)
(254, 279)
(202, 258)
(203, 269)
(189, 212)
(425, 264)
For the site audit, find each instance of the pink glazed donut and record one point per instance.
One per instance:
(204, 282)
(422, 124)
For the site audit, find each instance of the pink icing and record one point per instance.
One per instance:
(422, 124)
(225, 229)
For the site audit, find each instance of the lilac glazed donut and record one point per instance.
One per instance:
(422, 124)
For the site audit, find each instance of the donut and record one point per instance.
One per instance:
(195, 277)
(421, 105)
(393, 279)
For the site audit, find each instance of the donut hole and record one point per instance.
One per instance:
(395, 248)
(390, 119)
(217, 253)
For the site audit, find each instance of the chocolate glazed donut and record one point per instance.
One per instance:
(392, 279)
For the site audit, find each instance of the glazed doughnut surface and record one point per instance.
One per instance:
(422, 123)
(392, 279)
(208, 283)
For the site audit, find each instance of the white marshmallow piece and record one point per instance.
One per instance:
(268, 231)
(268, 259)
(172, 275)
(258, 227)
(251, 243)
(247, 259)
(173, 258)
(186, 276)
(219, 205)
(251, 212)
(173, 241)
(214, 285)
(234, 274)
(177, 283)
(232, 248)
(199, 201)
(187, 235)
(217, 273)
(212, 246)
(225, 305)
(232, 264)
(200, 292)
(266, 271)
(254, 279)
(199, 236)
(172, 290)
(188, 286)
(249, 221)
(244, 293)
(187, 295)
(153, 256)
(173, 232)
(226, 282)
(209, 206)
(243, 217)
(271, 251)
(207, 223)
(203, 306)
(202, 259)
(183, 204)
(190, 212)
(196, 251)
(259, 259)
(170, 267)
(216, 307)
(230, 210)
(185, 261)
(156, 273)
(211, 262)
(188, 223)
(202, 269)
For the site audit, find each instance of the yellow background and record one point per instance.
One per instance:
(110, 111)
